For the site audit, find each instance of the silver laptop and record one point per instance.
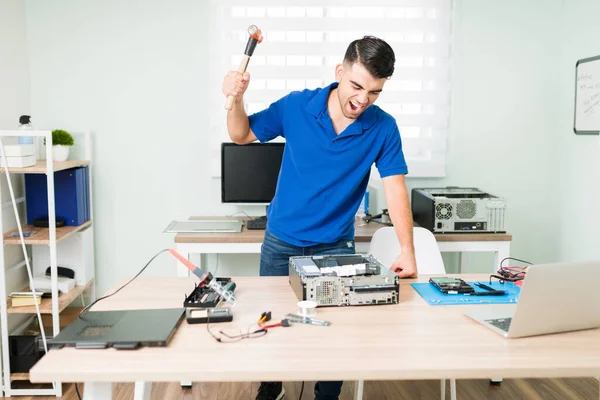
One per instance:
(204, 226)
(554, 298)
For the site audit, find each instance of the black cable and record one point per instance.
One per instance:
(511, 274)
(241, 336)
(301, 391)
(117, 291)
(516, 259)
(77, 391)
(241, 212)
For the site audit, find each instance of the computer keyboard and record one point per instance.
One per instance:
(257, 223)
(500, 323)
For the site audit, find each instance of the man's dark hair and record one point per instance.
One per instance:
(374, 54)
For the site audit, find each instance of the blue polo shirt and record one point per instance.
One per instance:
(324, 176)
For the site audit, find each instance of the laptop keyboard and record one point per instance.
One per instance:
(500, 323)
(94, 330)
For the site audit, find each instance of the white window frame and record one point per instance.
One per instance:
(298, 33)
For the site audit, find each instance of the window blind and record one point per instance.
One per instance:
(304, 40)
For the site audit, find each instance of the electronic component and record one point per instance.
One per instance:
(264, 317)
(44, 283)
(454, 209)
(343, 280)
(297, 319)
(381, 218)
(511, 274)
(44, 222)
(202, 316)
(449, 285)
(257, 223)
(206, 278)
(203, 296)
(62, 271)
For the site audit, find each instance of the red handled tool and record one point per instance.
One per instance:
(206, 278)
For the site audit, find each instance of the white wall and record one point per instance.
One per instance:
(136, 74)
(503, 118)
(14, 101)
(14, 65)
(577, 162)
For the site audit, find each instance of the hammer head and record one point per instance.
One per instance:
(255, 33)
(253, 40)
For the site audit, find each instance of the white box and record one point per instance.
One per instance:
(43, 283)
(75, 252)
(23, 161)
(19, 150)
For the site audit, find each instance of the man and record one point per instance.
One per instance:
(333, 136)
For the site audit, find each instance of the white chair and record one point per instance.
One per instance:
(385, 247)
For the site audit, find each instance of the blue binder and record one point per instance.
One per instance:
(88, 211)
(69, 196)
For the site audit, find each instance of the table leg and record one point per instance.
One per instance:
(442, 389)
(500, 254)
(97, 390)
(452, 389)
(142, 390)
(501, 250)
(462, 263)
(359, 387)
(182, 270)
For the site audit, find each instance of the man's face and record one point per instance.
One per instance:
(357, 89)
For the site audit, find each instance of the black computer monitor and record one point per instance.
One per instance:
(249, 172)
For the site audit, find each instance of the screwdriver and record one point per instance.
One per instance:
(490, 291)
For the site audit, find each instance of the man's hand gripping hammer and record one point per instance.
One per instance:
(253, 40)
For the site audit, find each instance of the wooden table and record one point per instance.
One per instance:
(409, 340)
(250, 241)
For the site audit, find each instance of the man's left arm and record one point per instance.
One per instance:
(396, 196)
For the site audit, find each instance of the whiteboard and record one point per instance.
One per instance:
(587, 97)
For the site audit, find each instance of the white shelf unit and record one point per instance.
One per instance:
(43, 237)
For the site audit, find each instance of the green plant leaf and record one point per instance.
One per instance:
(63, 137)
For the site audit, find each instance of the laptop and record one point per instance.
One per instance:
(558, 297)
(124, 329)
(204, 226)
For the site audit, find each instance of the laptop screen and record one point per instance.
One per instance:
(134, 328)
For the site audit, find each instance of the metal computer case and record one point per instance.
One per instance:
(458, 210)
(311, 278)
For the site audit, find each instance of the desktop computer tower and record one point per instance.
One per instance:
(458, 210)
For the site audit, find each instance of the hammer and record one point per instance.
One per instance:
(253, 40)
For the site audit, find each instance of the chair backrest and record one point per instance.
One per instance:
(385, 247)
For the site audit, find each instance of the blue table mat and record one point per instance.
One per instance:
(434, 297)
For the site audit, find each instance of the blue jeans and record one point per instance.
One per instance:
(274, 261)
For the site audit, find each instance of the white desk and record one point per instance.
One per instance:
(437, 342)
(250, 241)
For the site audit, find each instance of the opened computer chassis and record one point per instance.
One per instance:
(343, 280)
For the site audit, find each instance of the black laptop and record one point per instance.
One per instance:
(125, 329)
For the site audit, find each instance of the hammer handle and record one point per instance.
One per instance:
(241, 70)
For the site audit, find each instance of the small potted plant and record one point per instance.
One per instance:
(61, 143)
